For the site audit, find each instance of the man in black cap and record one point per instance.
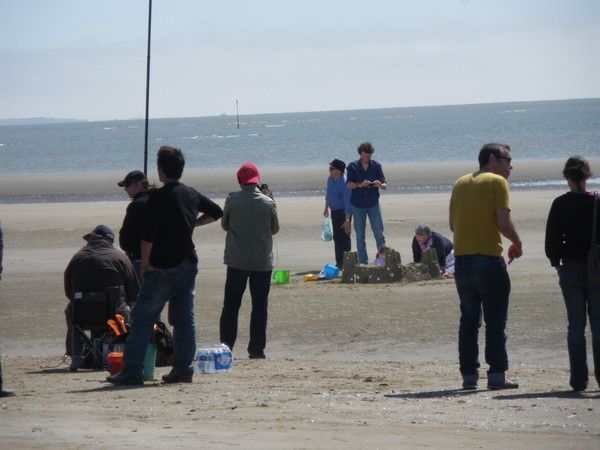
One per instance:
(96, 266)
(337, 199)
(136, 185)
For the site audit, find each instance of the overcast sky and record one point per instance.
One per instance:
(87, 58)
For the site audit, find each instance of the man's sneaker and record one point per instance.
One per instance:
(470, 382)
(257, 355)
(125, 379)
(498, 380)
(178, 377)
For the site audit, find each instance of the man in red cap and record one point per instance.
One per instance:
(250, 219)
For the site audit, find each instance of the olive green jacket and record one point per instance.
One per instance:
(250, 219)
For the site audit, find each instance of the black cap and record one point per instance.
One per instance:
(102, 231)
(338, 164)
(132, 177)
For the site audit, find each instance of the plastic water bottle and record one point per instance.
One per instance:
(216, 359)
(223, 359)
(205, 362)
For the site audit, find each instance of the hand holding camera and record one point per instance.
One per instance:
(264, 189)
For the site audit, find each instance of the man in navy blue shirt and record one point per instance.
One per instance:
(337, 199)
(365, 178)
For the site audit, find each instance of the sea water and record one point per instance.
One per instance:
(535, 130)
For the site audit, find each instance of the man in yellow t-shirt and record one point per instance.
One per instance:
(479, 215)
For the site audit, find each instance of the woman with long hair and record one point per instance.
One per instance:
(568, 240)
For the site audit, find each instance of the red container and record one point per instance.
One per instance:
(115, 362)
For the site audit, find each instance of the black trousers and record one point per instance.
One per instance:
(341, 239)
(235, 286)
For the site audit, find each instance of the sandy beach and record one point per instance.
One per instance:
(348, 366)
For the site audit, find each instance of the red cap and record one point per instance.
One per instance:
(248, 174)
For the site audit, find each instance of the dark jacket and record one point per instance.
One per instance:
(569, 227)
(131, 231)
(99, 265)
(443, 246)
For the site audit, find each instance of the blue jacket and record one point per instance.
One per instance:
(443, 246)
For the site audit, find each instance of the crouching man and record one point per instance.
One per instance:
(97, 266)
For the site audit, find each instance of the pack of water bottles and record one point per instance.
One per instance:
(216, 359)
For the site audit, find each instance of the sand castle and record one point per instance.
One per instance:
(392, 271)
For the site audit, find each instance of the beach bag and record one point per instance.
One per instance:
(594, 251)
(326, 230)
(163, 339)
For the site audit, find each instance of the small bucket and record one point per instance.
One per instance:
(115, 362)
(281, 276)
(150, 362)
(330, 271)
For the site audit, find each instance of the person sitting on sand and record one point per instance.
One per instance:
(380, 256)
(96, 266)
(425, 238)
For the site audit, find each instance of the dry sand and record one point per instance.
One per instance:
(348, 366)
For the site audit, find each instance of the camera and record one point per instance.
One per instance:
(264, 188)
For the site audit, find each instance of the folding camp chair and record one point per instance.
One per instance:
(90, 311)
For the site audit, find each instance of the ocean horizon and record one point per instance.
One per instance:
(534, 130)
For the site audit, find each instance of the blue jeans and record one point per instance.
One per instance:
(580, 295)
(482, 283)
(174, 285)
(360, 223)
(235, 286)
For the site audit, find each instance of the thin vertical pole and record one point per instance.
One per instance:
(237, 115)
(147, 88)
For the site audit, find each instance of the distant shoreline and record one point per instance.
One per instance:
(409, 178)
(44, 120)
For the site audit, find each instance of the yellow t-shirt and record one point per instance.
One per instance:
(475, 199)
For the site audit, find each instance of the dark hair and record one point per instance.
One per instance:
(365, 147)
(171, 161)
(491, 149)
(577, 169)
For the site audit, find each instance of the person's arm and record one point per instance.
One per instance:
(205, 219)
(1, 250)
(67, 281)
(326, 210)
(212, 211)
(225, 218)
(380, 179)
(554, 236)
(507, 228)
(146, 248)
(416, 249)
(125, 231)
(274, 219)
(132, 284)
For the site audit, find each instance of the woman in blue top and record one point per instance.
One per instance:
(337, 199)
(365, 178)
